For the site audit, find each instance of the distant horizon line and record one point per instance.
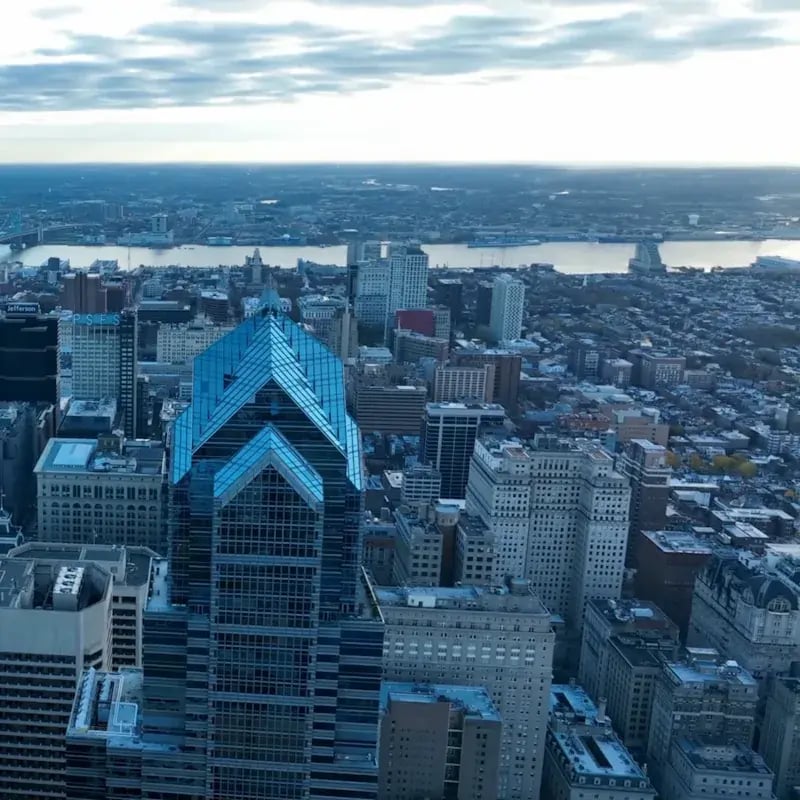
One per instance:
(573, 165)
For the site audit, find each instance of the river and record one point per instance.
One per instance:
(569, 257)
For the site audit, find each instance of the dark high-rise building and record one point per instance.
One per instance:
(128, 371)
(448, 435)
(507, 371)
(585, 359)
(83, 293)
(449, 292)
(483, 303)
(262, 642)
(28, 355)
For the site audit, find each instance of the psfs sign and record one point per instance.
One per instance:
(96, 319)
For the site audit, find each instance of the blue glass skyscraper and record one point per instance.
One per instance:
(262, 643)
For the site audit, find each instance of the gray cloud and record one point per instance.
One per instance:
(233, 61)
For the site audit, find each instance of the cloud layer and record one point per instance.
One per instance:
(216, 52)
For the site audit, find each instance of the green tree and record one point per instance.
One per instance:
(747, 469)
(723, 464)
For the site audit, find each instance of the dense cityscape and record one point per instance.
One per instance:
(377, 530)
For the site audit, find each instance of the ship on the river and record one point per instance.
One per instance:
(505, 241)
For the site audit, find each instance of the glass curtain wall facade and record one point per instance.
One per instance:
(276, 691)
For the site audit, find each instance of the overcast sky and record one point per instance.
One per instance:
(565, 81)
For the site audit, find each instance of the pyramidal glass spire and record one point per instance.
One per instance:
(266, 348)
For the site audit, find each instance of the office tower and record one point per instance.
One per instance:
(216, 306)
(498, 639)
(158, 223)
(425, 544)
(507, 371)
(659, 371)
(463, 384)
(645, 466)
(701, 697)
(18, 452)
(180, 343)
(262, 649)
(499, 494)
(103, 349)
(102, 491)
(583, 756)
(728, 772)
(584, 359)
(779, 742)
(372, 292)
(83, 293)
(408, 278)
(606, 618)
(476, 554)
(438, 741)
(130, 569)
(559, 513)
(418, 548)
(28, 355)
(55, 620)
(448, 435)
(668, 565)
(390, 409)
(380, 536)
(449, 292)
(410, 347)
(421, 484)
(129, 372)
(483, 303)
(617, 372)
(749, 609)
(508, 308)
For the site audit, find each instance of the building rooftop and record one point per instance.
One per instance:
(678, 542)
(474, 701)
(107, 407)
(729, 758)
(128, 565)
(483, 408)
(86, 456)
(586, 739)
(644, 648)
(461, 598)
(51, 586)
(639, 613)
(704, 666)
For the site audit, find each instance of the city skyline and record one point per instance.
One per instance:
(496, 82)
